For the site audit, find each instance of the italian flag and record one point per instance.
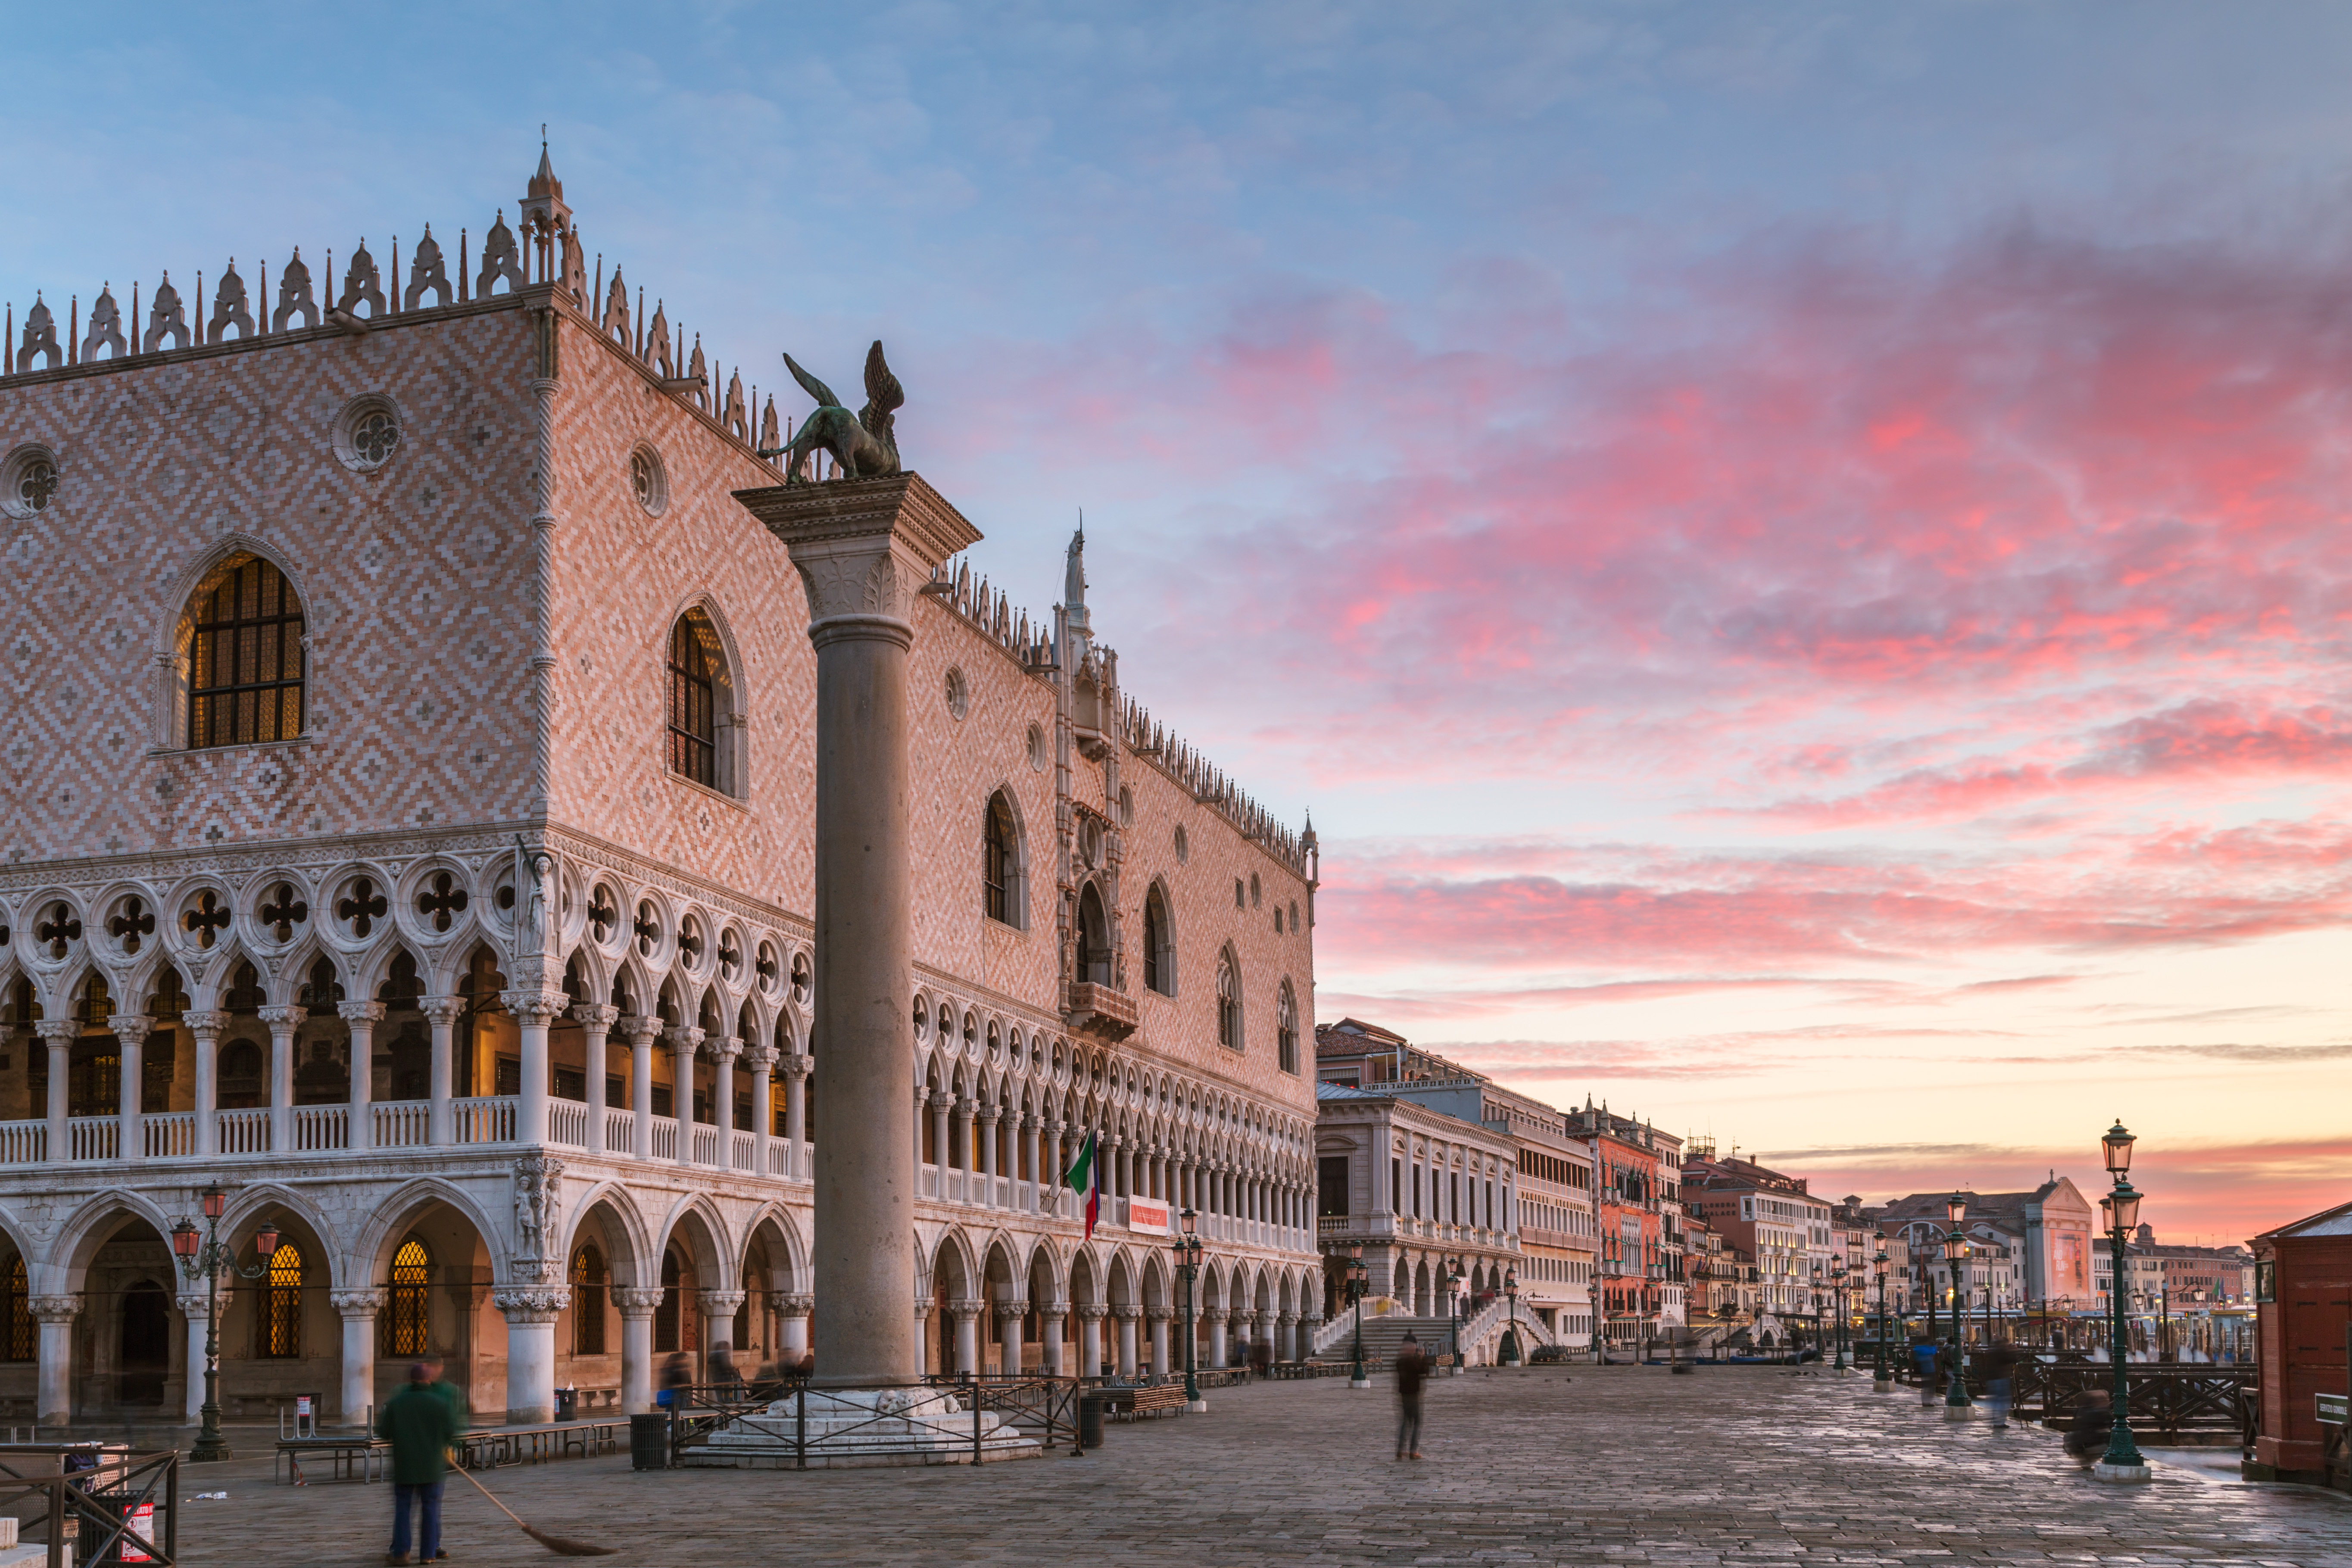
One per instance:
(1084, 1176)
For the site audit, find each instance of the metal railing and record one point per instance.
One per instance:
(130, 1501)
(1048, 1404)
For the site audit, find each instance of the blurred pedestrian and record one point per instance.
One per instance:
(721, 1373)
(1261, 1357)
(2093, 1425)
(1925, 1352)
(1999, 1370)
(677, 1372)
(421, 1425)
(1412, 1372)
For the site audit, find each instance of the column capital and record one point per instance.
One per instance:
(58, 1031)
(1092, 1311)
(359, 1304)
(1126, 1310)
(441, 1011)
(966, 1312)
(286, 1018)
(1057, 1308)
(595, 1014)
(130, 1028)
(193, 1303)
(1211, 1314)
(637, 1300)
(204, 1026)
(362, 1012)
(534, 1007)
(863, 548)
(723, 1047)
(639, 1027)
(530, 1303)
(798, 1064)
(760, 1058)
(990, 1114)
(795, 1303)
(54, 1309)
(1154, 1312)
(719, 1302)
(1006, 1311)
(684, 1037)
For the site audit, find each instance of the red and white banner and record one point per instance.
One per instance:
(1148, 1215)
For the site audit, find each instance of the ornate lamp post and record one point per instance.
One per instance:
(1837, 1289)
(1358, 1276)
(207, 1257)
(2123, 1462)
(1510, 1356)
(1880, 1382)
(1454, 1312)
(1819, 1283)
(1187, 1248)
(1955, 1253)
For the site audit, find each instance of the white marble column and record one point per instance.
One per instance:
(1125, 1312)
(60, 1034)
(762, 1060)
(1215, 1317)
(362, 1017)
(864, 549)
(55, 1314)
(441, 1016)
(1090, 1321)
(683, 1039)
(723, 1052)
(719, 1308)
(1158, 1317)
(206, 1028)
(282, 1022)
(192, 1304)
(636, 1304)
(1008, 1336)
(530, 1312)
(1030, 1156)
(942, 1139)
(984, 1130)
(794, 1308)
(1285, 1338)
(534, 1012)
(796, 1071)
(595, 1020)
(1049, 1330)
(359, 1310)
(967, 1335)
(641, 1029)
(130, 1035)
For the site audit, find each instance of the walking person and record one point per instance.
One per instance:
(1999, 1368)
(1261, 1359)
(421, 1424)
(2093, 1425)
(677, 1372)
(1412, 1372)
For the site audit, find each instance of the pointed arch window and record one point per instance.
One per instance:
(16, 1314)
(243, 636)
(1229, 1002)
(588, 1280)
(693, 706)
(1093, 937)
(1159, 944)
(1000, 862)
(1286, 1028)
(280, 1318)
(405, 1329)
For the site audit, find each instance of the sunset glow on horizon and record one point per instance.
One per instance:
(1797, 556)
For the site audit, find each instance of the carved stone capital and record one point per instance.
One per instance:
(1008, 1310)
(723, 1047)
(795, 1303)
(441, 1011)
(283, 1020)
(130, 1028)
(800, 1064)
(204, 1026)
(54, 1309)
(1154, 1312)
(863, 548)
(534, 1008)
(721, 1303)
(1211, 1314)
(1092, 1311)
(362, 1012)
(192, 1304)
(58, 1031)
(1286, 1318)
(638, 1028)
(1054, 1311)
(637, 1300)
(530, 1303)
(684, 1037)
(361, 1304)
(965, 1311)
(760, 1058)
(1126, 1310)
(597, 1015)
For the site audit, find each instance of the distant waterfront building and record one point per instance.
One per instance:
(1637, 1213)
(2048, 1231)
(1771, 1218)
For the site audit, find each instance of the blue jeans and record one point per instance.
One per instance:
(428, 1527)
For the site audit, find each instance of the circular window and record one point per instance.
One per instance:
(958, 694)
(1184, 848)
(29, 481)
(1037, 749)
(368, 433)
(647, 481)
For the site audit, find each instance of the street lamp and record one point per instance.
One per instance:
(1880, 1383)
(1187, 1247)
(1819, 1285)
(1453, 1311)
(1357, 1279)
(207, 1257)
(2123, 1462)
(1510, 1356)
(1837, 1288)
(1956, 1252)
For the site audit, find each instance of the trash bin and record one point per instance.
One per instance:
(567, 1404)
(1091, 1406)
(649, 1441)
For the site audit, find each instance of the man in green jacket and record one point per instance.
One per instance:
(421, 1424)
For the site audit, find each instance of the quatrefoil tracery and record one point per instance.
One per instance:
(136, 922)
(362, 907)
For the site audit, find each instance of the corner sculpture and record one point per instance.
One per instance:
(863, 445)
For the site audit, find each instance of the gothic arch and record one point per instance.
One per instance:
(695, 1222)
(628, 1247)
(1005, 883)
(700, 617)
(174, 629)
(381, 1235)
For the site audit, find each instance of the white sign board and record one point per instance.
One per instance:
(1148, 1215)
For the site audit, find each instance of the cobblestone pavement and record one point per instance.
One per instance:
(1617, 1465)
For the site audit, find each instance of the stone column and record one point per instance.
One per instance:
(358, 1309)
(1029, 1151)
(724, 1052)
(441, 1014)
(362, 1017)
(596, 1021)
(719, 1308)
(864, 549)
(967, 1335)
(530, 1311)
(683, 1039)
(1309, 1324)
(205, 1029)
(1049, 1330)
(60, 1034)
(794, 1307)
(130, 1034)
(1215, 1317)
(984, 1136)
(641, 1030)
(1285, 1338)
(191, 1305)
(636, 1304)
(1125, 1312)
(796, 1071)
(942, 1140)
(1090, 1321)
(1008, 1335)
(762, 1060)
(282, 1022)
(1158, 1317)
(534, 1012)
(55, 1314)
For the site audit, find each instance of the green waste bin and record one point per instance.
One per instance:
(567, 1404)
(649, 1441)
(1091, 1406)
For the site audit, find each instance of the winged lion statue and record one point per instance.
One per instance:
(863, 445)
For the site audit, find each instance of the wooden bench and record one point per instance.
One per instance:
(343, 1456)
(1134, 1404)
(493, 1447)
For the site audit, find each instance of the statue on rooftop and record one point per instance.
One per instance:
(865, 445)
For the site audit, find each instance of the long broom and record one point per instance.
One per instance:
(562, 1546)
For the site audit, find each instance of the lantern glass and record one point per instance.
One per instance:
(1956, 1247)
(214, 1201)
(2117, 1144)
(265, 1241)
(1956, 1207)
(1190, 1221)
(183, 1238)
(2126, 1202)
(1878, 1265)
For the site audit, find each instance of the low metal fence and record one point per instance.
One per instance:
(1047, 1407)
(90, 1513)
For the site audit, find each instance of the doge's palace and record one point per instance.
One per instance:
(411, 770)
